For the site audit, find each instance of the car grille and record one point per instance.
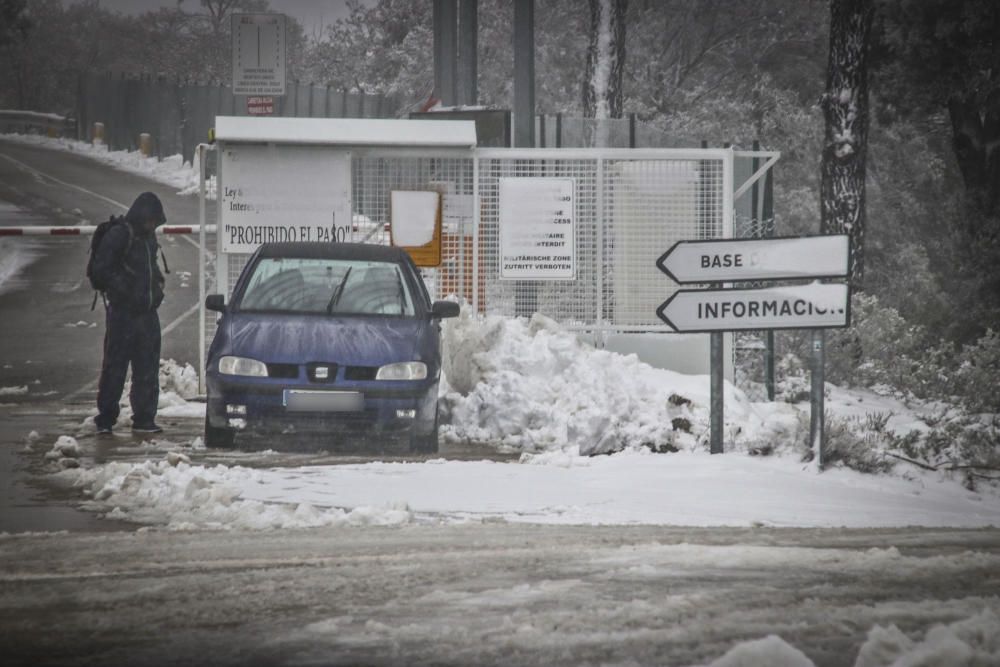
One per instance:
(282, 370)
(360, 372)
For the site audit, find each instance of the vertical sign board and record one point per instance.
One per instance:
(537, 229)
(258, 54)
(283, 193)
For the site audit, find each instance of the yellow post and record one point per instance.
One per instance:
(98, 134)
(146, 144)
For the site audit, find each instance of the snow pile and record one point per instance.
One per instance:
(173, 493)
(772, 651)
(971, 642)
(65, 452)
(533, 387)
(177, 385)
(182, 380)
(967, 643)
(14, 391)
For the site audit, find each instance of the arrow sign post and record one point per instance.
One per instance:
(812, 306)
(809, 306)
(725, 260)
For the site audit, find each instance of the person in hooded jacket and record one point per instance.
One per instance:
(125, 261)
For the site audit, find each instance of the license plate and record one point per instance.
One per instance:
(298, 400)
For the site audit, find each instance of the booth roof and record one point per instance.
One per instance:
(347, 131)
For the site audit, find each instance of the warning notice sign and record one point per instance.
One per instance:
(537, 229)
(283, 193)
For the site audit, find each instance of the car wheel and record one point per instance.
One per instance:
(425, 444)
(218, 437)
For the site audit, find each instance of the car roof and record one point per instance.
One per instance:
(362, 251)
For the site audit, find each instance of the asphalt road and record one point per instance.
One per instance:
(105, 593)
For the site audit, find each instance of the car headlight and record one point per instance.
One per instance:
(405, 370)
(242, 366)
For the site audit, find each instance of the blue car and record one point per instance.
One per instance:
(335, 341)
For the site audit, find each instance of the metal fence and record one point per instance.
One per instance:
(178, 115)
(630, 207)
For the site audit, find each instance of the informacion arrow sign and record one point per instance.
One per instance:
(811, 306)
(757, 259)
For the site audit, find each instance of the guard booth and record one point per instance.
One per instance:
(573, 234)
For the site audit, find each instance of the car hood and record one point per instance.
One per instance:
(296, 339)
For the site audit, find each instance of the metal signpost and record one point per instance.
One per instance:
(812, 305)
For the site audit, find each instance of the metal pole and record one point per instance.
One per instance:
(631, 130)
(476, 219)
(524, 73)
(201, 268)
(445, 19)
(816, 398)
(468, 56)
(717, 405)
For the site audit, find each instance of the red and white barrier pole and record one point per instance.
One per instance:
(85, 230)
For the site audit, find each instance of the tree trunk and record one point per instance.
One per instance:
(602, 88)
(845, 107)
(976, 142)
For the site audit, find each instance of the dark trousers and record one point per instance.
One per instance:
(129, 338)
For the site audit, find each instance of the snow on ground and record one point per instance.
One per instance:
(532, 387)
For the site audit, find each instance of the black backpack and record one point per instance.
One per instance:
(95, 242)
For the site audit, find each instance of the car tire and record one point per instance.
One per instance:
(217, 437)
(425, 444)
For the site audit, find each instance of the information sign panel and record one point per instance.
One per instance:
(811, 306)
(258, 54)
(537, 229)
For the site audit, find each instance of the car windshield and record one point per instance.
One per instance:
(327, 286)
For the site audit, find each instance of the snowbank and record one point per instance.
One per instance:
(531, 386)
(173, 493)
(172, 170)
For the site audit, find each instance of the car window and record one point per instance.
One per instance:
(344, 287)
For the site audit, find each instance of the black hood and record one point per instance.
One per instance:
(146, 206)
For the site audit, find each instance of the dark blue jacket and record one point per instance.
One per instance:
(129, 269)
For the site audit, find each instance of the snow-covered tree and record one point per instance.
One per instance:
(845, 107)
(602, 85)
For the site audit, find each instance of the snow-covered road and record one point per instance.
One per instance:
(503, 594)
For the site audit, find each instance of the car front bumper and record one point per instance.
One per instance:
(258, 407)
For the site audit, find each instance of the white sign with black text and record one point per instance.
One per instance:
(283, 193)
(537, 229)
(756, 259)
(815, 305)
(258, 54)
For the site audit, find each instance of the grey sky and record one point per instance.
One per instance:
(312, 14)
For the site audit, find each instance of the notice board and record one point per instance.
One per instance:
(283, 193)
(537, 229)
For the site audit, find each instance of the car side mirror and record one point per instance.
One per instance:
(443, 309)
(216, 302)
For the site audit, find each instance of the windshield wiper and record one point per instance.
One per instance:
(337, 292)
